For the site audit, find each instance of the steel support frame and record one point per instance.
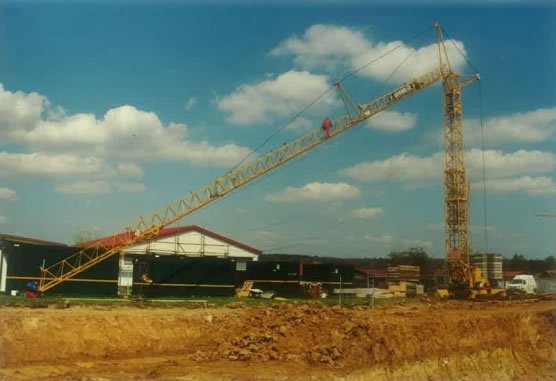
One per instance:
(456, 186)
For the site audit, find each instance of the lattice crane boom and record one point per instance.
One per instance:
(147, 228)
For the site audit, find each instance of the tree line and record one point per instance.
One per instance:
(417, 256)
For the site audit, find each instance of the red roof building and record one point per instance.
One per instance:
(509, 275)
(189, 240)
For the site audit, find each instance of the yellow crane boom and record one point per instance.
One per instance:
(147, 228)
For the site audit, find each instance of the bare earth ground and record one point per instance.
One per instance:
(502, 340)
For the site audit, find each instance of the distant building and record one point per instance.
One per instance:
(21, 258)
(367, 277)
(190, 241)
(180, 261)
(146, 260)
(546, 282)
(188, 257)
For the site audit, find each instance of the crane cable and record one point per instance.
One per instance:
(345, 77)
(318, 98)
(313, 236)
(341, 222)
(485, 221)
(484, 166)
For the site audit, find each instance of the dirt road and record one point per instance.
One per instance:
(421, 341)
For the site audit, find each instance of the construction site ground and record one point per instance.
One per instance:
(420, 340)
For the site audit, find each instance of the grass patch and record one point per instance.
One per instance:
(176, 302)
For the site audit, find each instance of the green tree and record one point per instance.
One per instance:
(415, 256)
(550, 263)
(84, 236)
(518, 263)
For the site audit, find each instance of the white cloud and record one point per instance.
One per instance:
(388, 240)
(501, 164)
(8, 194)
(100, 187)
(479, 228)
(130, 187)
(84, 187)
(367, 213)
(392, 121)
(43, 164)
(533, 186)
(278, 97)
(332, 46)
(3, 220)
(528, 127)
(427, 245)
(402, 167)
(382, 240)
(301, 124)
(130, 170)
(191, 102)
(472, 228)
(128, 133)
(315, 191)
(406, 167)
(123, 132)
(19, 112)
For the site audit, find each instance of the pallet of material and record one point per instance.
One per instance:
(377, 293)
(404, 273)
(414, 289)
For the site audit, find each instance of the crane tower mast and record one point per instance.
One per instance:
(456, 185)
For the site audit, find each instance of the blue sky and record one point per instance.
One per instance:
(110, 111)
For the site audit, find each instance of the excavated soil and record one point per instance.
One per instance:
(502, 340)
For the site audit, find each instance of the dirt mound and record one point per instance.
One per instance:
(451, 340)
(361, 337)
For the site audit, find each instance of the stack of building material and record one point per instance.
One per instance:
(403, 273)
(479, 260)
(490, 265)
(413, 289)
(494, 269)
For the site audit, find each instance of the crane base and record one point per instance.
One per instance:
(483, 293)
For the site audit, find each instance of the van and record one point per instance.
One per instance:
(523, 284)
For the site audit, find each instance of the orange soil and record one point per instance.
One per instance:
(449, 340)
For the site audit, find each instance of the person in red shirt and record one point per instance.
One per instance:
(326, 125)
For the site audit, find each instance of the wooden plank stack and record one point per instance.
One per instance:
(403, 273)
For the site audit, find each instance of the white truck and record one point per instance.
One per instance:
(523, 283)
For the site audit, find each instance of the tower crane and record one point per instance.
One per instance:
(455, 181)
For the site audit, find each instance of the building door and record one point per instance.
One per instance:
(3, 271)
(125, 276)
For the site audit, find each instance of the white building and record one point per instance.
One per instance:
(188, 241)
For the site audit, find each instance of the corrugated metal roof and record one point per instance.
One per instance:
(32, 241)
(116, 239)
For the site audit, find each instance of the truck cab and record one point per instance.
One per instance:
(522, 284)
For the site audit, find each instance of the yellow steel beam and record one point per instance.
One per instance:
(147, 228)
